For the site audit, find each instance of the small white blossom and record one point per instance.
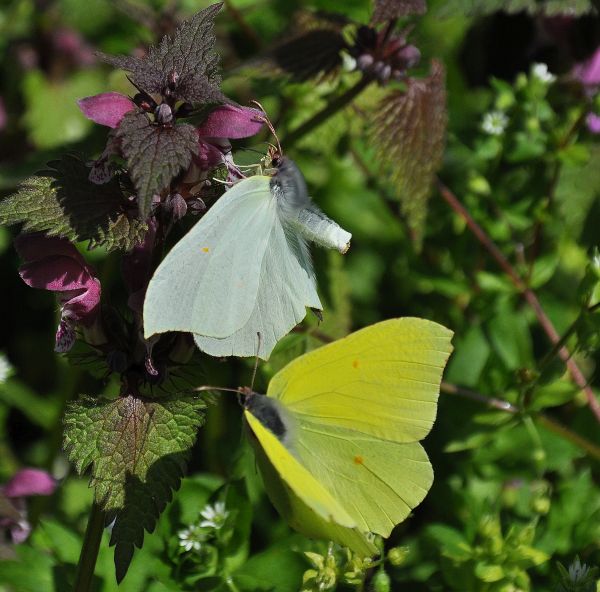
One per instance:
(191, 538)
(578, 572)
(541, 72)
(494, 123)
(5, 369)
(214, 516)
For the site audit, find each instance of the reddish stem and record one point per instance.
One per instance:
(527, 293)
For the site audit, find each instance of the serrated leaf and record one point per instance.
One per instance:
(189, 55)
(155, 154)
(62, 201)
(386, 10)
(408, 131)
(538, 7)
(137, 448)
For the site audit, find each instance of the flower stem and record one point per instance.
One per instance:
(89, 550)
(527, 293)
(323, 115)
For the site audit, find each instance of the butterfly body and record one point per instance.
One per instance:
(244, 268)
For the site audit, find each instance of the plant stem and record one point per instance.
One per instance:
(331, 109)
(554, 426)
(89, 550)
(527, 294)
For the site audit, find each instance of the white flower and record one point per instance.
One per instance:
(5, 369)
(214, 516)
(541, 72)
(578, 572)
(494, 123)
(191, 538)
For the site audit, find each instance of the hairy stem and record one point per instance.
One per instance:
(527, 294)
(89, 550)
(323, 115)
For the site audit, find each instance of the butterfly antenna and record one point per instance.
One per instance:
(266, 119)
(258, 335)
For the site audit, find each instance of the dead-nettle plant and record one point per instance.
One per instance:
(167, 144)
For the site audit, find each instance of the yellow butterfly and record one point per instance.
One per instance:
(337, 434)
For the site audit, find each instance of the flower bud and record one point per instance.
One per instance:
(163, 114)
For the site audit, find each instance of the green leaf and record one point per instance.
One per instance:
(409, 130)
(470, 356)
(62, 201)
(155, 154)
(137, 448)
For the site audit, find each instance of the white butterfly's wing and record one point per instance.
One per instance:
(286, 288)
(209, 281)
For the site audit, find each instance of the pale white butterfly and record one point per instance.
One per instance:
(244, 268)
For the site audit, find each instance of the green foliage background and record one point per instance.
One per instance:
(513, 493)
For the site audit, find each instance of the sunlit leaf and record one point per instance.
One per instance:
(409, 130)
(137, 449)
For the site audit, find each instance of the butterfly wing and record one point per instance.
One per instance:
(300, 499)
(358, 408)
(382, 381)
(209, 281)
(286, 287)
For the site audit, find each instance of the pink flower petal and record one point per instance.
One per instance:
(588, 72)
(230, 121)
(30, 482)
(106, 108)
(593, 123)
(54, 264)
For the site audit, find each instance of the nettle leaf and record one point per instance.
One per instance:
(155, 154)
(386, 10)
(409, 130)
(184, 66)
(137, 449)
(62, 201)
(541, 7)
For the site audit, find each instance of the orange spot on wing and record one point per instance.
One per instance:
(355, 364)
(358, 460)
(205, 249)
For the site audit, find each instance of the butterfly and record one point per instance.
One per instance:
(336, 437)
(245, 267)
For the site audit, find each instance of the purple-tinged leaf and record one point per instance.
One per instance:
(106, 108)
(409, 130)
(386, 10)
(155, 154)
(184, 67)
(62, 201)
(137, 449)
(309, 54)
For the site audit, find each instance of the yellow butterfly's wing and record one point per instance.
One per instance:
(296, 476)
(382, 381)
(378, 482)
(299, 498)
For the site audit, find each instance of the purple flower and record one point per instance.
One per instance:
(588, 74)
(106, 108)
(222, 124)
(13, 511)
(54, 264)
